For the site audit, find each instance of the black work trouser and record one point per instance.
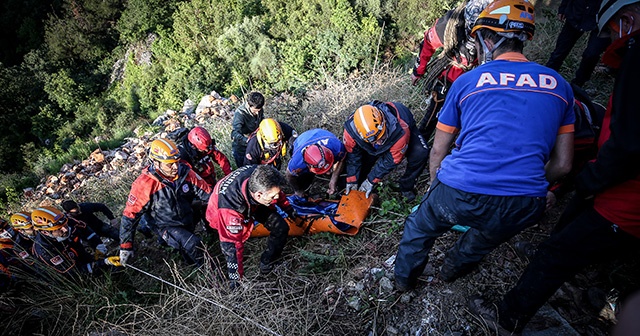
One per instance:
(417, 156)
(567, 39)
(103, 229)
(588, 239)
(185, 241)
(493, 220)
(279, 231)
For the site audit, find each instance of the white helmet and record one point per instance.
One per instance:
(608, 9)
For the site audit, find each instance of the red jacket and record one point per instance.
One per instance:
(432, 41)
(614, 176)
(168, 202)
(231, 207)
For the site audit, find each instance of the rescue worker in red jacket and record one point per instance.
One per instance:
(247, 195)
(377, 137)
(199, 152)
(452, 28)
(59, 243)
(166, 191)
(446, 52)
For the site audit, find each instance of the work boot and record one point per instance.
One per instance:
(488, 312)
(402, 286)
(265, 269)
(525, 250)
(449, 274)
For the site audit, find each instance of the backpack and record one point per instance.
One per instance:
(178, 136)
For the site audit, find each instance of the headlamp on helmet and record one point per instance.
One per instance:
(369, 123)
(48, 219)
(508, 18)
(318, 158)
(21, 221)
(164, 150)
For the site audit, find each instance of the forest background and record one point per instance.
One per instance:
(80, 74)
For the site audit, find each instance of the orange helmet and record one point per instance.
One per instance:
(507, 16)
(21, 221)
(164, 150)
(319, 158)
(48, 218)
(369, 122)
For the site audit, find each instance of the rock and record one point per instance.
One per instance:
(97, 156)
(390, 262)
(355, 303)
(377, 273)
(391, 330)
(120, 155)
(27, 192)
(385, 285)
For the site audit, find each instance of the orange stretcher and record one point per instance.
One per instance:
(352, 211)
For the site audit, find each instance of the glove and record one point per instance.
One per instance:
(113, 261)
(366, 187)
(101, 251)
(351, 186)
(124, 256)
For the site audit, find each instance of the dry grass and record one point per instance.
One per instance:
(311, 292)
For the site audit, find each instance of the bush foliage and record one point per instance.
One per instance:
(95, 67)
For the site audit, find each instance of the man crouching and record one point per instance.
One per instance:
(247, 195)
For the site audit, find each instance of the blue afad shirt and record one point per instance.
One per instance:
(314, 136)
(509, 114)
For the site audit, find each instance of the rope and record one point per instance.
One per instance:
(204, 299)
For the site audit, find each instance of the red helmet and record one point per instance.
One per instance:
(201, 139)
(319, 158)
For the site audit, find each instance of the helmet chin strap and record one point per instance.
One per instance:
(488, 53)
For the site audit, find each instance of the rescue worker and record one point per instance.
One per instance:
(249, 194)
(608, 224)
(377, 137)
(85, 212)
(268, 144)
(578, 17)
(246, 119)
(315, 152)
(59, 246)
(24, 238)
(8, 260)
(199, 152)
(446, 52)
(514, 125)
(166, 191)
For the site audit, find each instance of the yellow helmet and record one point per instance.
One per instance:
(369, 122)
(48, 218)
(269, 134)
(21, 221)
(164, 150)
